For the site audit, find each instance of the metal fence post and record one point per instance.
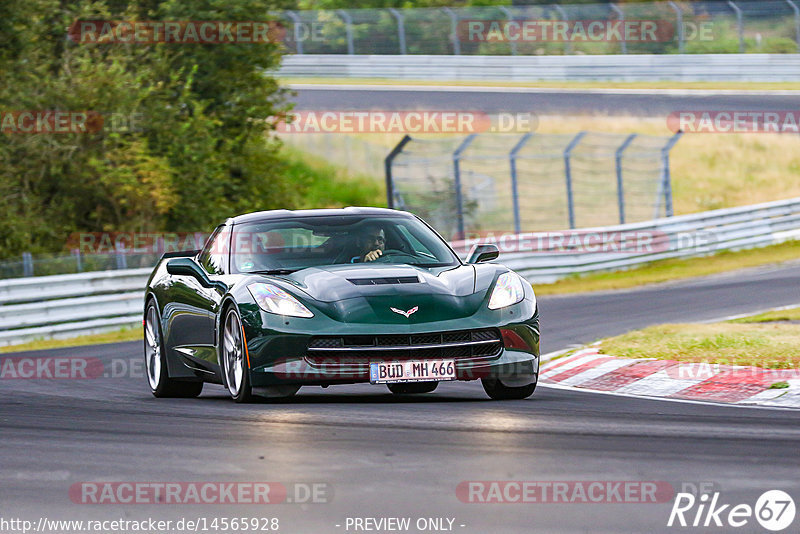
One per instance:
(453, 30)
(78, 264)
(512, 156)
(348, 28)
(563, 14)
(510, 17)
(621, 16)
(27, 264)
(620, 185)
(298, 23)
(122, 260)
(796, 23)
(401, 29)
(666, 180)
(739, 24)
(568, 176)
(387, 166)
(681, 29)
(457, 182)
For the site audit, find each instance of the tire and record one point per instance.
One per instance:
(155, 363)
(497, 391)
(413, 388)
(233, 359)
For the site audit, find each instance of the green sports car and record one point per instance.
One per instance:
(281, 299)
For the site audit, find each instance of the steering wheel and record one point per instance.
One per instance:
(391, 253)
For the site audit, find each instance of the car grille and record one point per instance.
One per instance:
(482, 343)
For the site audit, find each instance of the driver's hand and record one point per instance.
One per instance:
(374, 255)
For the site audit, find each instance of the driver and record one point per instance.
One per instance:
(371, 242)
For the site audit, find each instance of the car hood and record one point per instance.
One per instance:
(367, 293)
(340, 282)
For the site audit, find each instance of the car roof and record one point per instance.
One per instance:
(299, 214)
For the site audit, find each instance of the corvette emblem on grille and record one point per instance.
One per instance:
(405, 314)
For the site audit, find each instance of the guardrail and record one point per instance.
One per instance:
(640, 67)
(69, 305)
(544, 258)
(721, 26)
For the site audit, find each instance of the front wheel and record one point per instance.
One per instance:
(161, 385)
(497, 391)
(412, 388)
(235, 370)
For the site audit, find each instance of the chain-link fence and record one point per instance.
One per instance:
(763, 26)
(460, 185)
(74, 262)
(358, 156)
(485, 182)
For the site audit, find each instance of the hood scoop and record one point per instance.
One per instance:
(384, 280)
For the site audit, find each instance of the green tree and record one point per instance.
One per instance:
(185, 140)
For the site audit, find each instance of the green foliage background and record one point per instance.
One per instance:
(201, 150)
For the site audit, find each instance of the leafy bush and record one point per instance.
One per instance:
(193, 148)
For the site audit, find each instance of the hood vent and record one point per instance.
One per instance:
(384, 281)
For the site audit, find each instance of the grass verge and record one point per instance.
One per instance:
(674, 269)
(117, 336)
(322, 185)
(791, 314)
(766, 345)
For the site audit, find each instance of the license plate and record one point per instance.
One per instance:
(412, 371)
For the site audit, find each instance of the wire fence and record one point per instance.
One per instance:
(358, 156)
(482, 182)
(74, 262)
(763, 26)
(463, 185)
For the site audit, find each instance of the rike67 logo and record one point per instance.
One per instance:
(774, 510)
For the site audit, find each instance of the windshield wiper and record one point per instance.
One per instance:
(274, 271)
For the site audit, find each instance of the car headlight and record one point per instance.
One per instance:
(273, 299)
(507, 291)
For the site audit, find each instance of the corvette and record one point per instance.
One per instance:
(281, 299)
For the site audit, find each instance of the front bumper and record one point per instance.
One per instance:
(278, 353)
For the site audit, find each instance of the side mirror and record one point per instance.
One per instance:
(188, 267)
(479, 253)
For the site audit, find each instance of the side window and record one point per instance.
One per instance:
(418, 247)
(214, 257)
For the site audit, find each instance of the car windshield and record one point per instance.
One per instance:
(281, 246)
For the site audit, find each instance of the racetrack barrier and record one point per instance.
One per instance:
(76, 304)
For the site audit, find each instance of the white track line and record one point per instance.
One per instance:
(535, 90)
(664, 399)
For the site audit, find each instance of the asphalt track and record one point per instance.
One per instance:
(382, 456)
(639, 102)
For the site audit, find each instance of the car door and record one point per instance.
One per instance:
(192, 308)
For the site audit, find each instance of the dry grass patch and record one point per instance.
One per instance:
(792, 314)
(771, 346)
(675, 269)
(125, 334)
(709, 171)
